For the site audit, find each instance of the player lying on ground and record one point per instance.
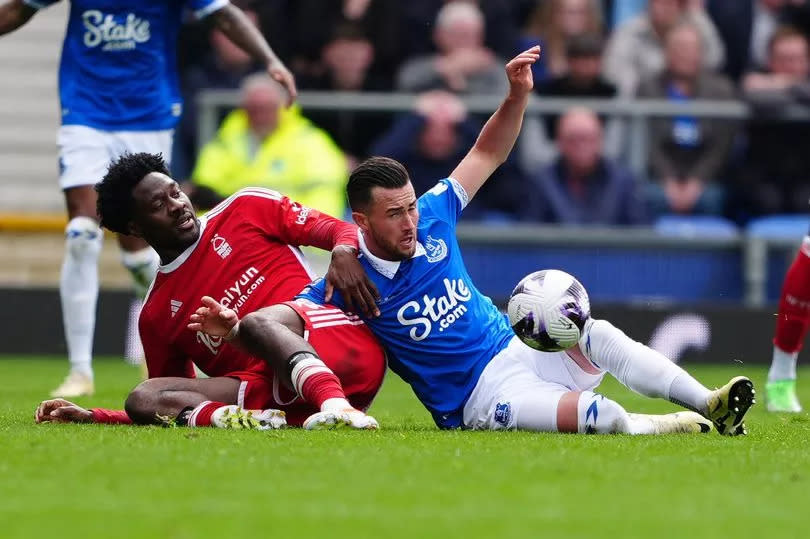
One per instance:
(454, 347)
(243, 252)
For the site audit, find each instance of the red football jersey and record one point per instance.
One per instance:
(246, 258)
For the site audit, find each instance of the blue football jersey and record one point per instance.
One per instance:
(438, 329)
(119, 67)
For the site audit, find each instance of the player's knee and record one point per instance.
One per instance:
(141, 403)
(83, 238)
(600, 415)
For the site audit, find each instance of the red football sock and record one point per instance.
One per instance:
(313, 380)
(201, 415)
(794, 304)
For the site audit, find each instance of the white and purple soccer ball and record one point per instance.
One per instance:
(548, 310)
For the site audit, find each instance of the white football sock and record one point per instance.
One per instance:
(597, 414)
(783, 365)
(639, 367)
(142, 266)
(78, 289)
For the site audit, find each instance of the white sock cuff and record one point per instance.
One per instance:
(135, 259)
(192, 417)
(335, 404)
(597, 414)
(306, 368)
(82, 224)
(783, 365)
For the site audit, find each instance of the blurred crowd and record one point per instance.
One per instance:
(569, 168)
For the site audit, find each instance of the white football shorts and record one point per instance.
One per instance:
(519, 374)
(85, 152)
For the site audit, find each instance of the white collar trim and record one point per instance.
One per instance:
(387, 268)
(177, 262)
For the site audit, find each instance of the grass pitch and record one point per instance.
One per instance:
(407, 480)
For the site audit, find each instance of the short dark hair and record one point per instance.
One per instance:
(374, 172)
(115, 200)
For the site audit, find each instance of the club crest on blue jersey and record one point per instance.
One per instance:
(503, 413)
(435, 249)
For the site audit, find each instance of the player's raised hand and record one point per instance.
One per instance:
(213, 318)
(346, 274)
(519, 71)
(61, 411)
(282, 75)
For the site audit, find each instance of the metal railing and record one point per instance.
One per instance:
(755, 251)
(636, 111)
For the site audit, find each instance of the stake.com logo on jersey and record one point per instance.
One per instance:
(234, 297)
(444, 310)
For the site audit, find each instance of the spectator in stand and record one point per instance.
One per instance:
(346, 60)
(746, 27)
(553, 24)
(536, 146)
(776, 174)
(463, 64)
(583, 76)
(266, 145)
(419, 16)
(318, 24)
(687, 154)
(582, 186)
(635, 51)
(429, 142)
(222, 67)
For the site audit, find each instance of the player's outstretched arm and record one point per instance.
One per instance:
(13, 14)
(61, 411)
(501, 130)
(234, 23)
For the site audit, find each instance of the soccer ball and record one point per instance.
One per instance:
(548, 310)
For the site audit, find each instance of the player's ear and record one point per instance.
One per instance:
(133, 229)
(360, 219)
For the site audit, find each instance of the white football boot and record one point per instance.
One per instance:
(234, 417)
(728, 405)
(676, 423)
(75, 384)
(349, 418)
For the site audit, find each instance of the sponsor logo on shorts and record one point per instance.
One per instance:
(221, 246)
(103, 30)
(435, 249)
(503, 413)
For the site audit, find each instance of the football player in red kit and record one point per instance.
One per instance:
(327, 366)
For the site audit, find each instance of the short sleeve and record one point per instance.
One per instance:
(203, 8)
(316, 291)
(445, 201)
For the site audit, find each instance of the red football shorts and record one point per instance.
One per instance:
(344, 344)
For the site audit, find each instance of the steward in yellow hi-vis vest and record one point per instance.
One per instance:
(266, 145)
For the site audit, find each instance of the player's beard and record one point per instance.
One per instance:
(392, 249)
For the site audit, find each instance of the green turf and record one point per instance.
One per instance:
(407, 480)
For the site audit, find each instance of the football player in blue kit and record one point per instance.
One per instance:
(457, 350)
(118, 88)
